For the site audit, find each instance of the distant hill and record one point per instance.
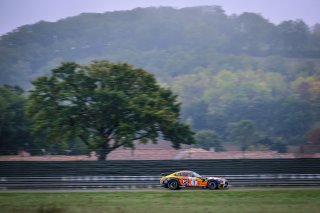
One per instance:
(166, 41)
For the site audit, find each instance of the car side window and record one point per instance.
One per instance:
(178, 174)
(185, 174)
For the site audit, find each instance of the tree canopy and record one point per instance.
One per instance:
(14, 125)
(107, 106)
(208, 140)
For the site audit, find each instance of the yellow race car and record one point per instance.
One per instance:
(177, 180)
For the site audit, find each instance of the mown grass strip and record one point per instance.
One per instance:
(169, 201)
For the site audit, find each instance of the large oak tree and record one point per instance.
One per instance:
(107, 106)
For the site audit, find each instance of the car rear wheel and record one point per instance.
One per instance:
(212, 185)
(173, 185)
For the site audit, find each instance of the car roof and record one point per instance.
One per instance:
(185, 171)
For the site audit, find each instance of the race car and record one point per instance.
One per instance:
(177, 180)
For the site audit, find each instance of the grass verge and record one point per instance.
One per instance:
(183, 201)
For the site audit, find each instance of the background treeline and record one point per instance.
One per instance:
(241, 79)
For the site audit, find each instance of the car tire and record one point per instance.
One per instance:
(173, 185)
(212, 185)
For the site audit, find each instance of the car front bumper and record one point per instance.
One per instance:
(223, 185)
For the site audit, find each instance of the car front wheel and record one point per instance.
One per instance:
(212, 185)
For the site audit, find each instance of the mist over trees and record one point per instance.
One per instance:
(166, 41)
(228, 71)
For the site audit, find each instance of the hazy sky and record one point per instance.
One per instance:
(15, 13)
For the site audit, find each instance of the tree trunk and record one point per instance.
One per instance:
(102, 154)
(104, 148)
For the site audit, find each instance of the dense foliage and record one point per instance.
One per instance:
(227, 70)
(14, 125)
(280, 112)
(105, 105)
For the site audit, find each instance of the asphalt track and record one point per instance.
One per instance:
(159, 190)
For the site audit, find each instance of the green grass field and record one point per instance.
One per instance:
(183, 201)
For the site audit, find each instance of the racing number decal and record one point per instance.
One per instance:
(185, 182)
(193, 181)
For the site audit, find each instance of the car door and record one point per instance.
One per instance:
(192, 180)
(196, 180)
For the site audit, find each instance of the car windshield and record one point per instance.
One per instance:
(196, 175)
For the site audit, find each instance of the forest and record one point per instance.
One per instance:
(240, 78)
